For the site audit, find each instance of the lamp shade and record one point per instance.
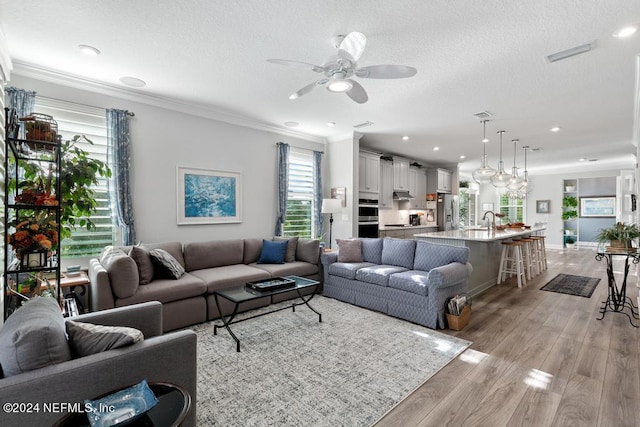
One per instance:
(331, 205)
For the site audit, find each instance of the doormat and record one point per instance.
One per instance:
(581, 286)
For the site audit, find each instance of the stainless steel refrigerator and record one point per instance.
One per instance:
(448, 215)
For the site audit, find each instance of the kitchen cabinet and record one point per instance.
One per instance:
(418, 188)
(439, 181)
(369, 172)
(400, 174)
(386, 185)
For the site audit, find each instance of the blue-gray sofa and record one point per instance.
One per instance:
(407, 279)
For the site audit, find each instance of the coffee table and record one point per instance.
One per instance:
(240, 294)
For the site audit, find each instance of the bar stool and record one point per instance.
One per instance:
(532, 267)
(511, 262)
(541, 251)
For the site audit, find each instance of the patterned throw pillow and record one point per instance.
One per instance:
(349, 250)
(87, 338)
(166, 263)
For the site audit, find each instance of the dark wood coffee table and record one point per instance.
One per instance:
(240, 294)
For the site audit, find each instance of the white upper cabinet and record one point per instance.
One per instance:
(386, 185)
(439, 181)
(418, 188)
(369, 172)
(400, 174)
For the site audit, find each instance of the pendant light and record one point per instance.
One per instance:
(515, 182)
(500, 179)
(525, 177)
(483, 174)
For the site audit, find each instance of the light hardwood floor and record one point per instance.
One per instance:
(538, 359)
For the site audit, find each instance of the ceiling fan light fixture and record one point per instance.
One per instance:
(339, 85)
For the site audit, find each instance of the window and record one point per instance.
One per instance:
(75, 119)
(299, 221)
(513, 209)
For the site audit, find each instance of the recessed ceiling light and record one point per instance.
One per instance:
(133, 82)
(331, 124)
(88, 50)
(626, 31)
(582, 159)
(436, 148)
(555, 129)
(462, 156)
(405, 138)
(291, 124)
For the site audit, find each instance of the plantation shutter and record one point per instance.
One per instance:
(299, 221)
(76, 119)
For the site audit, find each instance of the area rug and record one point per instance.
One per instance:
(292, 370)
(581, 286)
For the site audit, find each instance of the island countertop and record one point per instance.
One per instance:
(478, 234)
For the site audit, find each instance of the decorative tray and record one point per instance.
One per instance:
(271, 284)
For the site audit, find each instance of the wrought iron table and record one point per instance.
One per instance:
(617, 299)
(240, 294)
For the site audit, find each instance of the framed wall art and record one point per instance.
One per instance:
(542, 206)
(340, 193)
(598, 206)
(208, 196)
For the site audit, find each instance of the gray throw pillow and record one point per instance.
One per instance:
(87, 338)
(166, 263)
(122, 271)
(349, 250)
(141, 256)
(33, 337)
(292, 245)
(308, 250)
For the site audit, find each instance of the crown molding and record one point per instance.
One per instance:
(69, 80)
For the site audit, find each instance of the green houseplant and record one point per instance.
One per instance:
(569, 208)
(78, 173)
(620, 235)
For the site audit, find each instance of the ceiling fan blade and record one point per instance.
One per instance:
(386, 72)
(308, 88)
(297, 64)
(354, 43)
(357, 92)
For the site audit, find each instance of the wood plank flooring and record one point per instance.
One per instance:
(538, 359)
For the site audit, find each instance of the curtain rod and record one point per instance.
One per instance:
(129, 113)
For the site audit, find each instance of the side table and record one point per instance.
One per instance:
(68, 284)
(617, 299)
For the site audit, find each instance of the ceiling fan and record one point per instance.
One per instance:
(340, 67)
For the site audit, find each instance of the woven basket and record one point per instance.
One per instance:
(457, 323)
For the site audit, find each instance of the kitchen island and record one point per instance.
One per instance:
(485, 250)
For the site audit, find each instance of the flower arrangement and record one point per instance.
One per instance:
(37, 233)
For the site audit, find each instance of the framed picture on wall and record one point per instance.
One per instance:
(542, 206)
(208, 196)
(340, 193)
(593, 207)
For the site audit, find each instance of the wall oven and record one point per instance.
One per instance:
(368, 218)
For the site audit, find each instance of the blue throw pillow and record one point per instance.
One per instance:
(272, 252)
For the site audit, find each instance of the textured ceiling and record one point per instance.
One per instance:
(471, 56)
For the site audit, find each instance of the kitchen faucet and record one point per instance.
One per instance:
(490, 225)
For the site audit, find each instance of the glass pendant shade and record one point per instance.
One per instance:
(515, 182)
(483, 174)
(501, 178)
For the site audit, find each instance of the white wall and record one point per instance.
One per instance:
(162, 139)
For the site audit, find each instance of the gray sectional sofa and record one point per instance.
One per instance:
(126, 275)
(407, 279)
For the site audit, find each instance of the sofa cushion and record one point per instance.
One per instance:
(292, 245)
(252, 249)
(378, 274)
(430, 255)
(347, 269)
(174, 248)
(166, 264)
(272, 252)
(33, 337)
(349, 250)
(308, 250)
(399, 252)
(141, 257)
(167, 290)
(122, 271)
(229, 276)
(213, 253)
(87, 338)
(372, 250)
(297, 268)
(414, 281)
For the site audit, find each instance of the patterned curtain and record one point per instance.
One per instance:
(23, 101)
(118, 142)
(317, 192)
(283, 185)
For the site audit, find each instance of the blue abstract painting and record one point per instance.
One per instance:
(208, 196)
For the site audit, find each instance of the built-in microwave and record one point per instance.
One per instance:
(368, 210)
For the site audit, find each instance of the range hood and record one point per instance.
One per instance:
(402, 195)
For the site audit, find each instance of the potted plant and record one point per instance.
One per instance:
(570, 241)
(463, 184)
(620, 235)
(569, 205)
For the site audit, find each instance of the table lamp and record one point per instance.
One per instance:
(331, 206)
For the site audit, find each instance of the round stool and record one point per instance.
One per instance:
(511, 262)
(530, 255)
(541, 251)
